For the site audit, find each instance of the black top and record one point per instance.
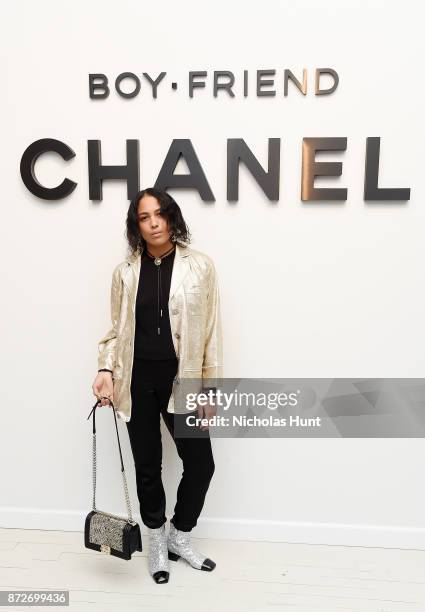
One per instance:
(148, 344)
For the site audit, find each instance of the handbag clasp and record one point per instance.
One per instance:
(105, 549)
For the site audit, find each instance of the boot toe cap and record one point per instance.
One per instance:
(161, 576)
(208, 565)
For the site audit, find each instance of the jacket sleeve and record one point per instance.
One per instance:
(212, 366)
(107, 345)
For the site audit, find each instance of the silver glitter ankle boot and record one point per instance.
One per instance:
(157, 557)
(179, 546)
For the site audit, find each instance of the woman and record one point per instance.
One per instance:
(166, 326)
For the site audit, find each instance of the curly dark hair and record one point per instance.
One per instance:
(171, 210)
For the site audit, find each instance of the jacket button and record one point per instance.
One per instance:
(175, 311)
(177, 335)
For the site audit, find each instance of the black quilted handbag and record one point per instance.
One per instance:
(105, 532)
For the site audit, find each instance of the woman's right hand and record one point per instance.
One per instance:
(103, 386)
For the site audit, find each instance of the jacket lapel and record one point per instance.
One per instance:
(131, 272)
(180, 268)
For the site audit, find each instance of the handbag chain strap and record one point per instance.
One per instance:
(127, 497)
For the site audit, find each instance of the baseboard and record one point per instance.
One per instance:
(332, 534)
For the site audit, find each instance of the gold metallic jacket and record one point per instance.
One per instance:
(195, 320)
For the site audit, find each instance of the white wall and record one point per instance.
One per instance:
(307, 291)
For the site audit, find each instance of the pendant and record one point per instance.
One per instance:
(157, 261)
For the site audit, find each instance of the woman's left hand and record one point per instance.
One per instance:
(206, 412)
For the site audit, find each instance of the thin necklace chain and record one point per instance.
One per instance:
(159, 257)
(158, 261)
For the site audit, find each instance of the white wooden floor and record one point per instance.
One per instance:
(249, 576)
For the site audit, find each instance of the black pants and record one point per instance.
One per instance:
(151, 387)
